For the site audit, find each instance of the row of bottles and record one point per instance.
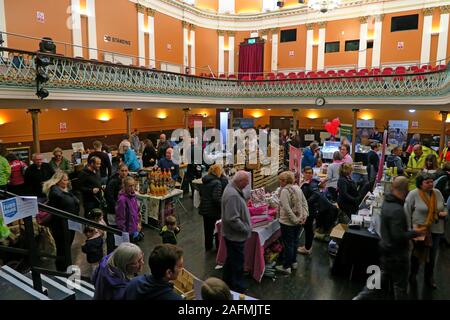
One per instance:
(160, 176)
(158, 189)
(161, 182)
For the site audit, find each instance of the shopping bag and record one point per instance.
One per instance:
(196, 199)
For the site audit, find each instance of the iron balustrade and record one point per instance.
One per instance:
(17, 69)
(32, 252)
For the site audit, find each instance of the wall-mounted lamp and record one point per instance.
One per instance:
(139, 109)
(104, 118)
(412, 110)
(162, 116)
(64, 109)
(435, 31)
(366, 117)
(257, 114)
(205, 115)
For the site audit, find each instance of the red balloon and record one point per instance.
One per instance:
(328, 127)
(336, 122)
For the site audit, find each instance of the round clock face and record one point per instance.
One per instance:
(320, 101)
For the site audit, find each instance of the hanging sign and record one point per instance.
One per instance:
(62, 126)
(17, 208)
(40, 16)
(365, 123)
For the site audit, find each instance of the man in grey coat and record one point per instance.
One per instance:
(236, 229)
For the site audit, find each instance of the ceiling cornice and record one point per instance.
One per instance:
(283, 17)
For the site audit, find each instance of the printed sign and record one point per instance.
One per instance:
(309, 137)
(40, 17)
(398, 132)
(17, 208)
(291, 53)
(365, 123)
(62, 127)
(118, 240)
(108, 38)
(415, 124)
(75, 226)
(78, 147)
(400, 45)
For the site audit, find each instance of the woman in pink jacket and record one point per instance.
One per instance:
(127, 210)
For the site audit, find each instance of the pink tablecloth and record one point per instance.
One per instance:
(254, 251)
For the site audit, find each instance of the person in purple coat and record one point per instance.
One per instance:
(127, 210)
(116, 270)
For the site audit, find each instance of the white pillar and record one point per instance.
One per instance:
(309, 47)
(151, 37)
(185, 46)
(3, 23)
(77, 40)
(443, 37)
(321, 49)
(231, 53)
(92, 29)
(362, 55)
(376, 51)
(192, 40)
(274, 64)
(141, 38)
(426, 39)
(221, 64)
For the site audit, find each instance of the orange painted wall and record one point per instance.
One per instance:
(206, 49)
(299, 58)
(207, 4)
(84, 35)
(334, 30)
(248, 6)
(291, 3)
(412, 40)
(315, 57)
(169, 30)
(21, 19)
(369, 58)
(268, 53)
(120, 21)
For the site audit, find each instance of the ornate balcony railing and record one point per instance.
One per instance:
(17, 69)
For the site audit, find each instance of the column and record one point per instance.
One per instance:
(231, 52)
(186, 118)
(274, 64)
(3, 23)
(443, 35)
(92, 29)
(128, 112)
(141, 34)
(75, 24)
(294, 115)
(185, 26)
(355, 118)
(362, 42)
(444, 115)
(309, 46)
(221, 63)
(192, 41)
(426, 36)
(151, 37)
(321, 49)
(35, 125)
(376, 51)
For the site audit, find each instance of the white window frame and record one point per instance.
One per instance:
(226, 6)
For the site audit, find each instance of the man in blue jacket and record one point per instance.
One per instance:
(165, 262)
(310, 155)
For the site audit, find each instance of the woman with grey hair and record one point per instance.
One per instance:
(116, 270)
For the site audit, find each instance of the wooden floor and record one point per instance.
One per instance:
(312, 280)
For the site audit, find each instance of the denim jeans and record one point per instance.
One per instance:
(233, 270)
(289, 237)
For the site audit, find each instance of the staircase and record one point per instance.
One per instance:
(18, 286)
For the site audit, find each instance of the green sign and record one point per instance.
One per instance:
(345, 130)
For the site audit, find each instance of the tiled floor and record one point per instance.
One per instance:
(312, 280)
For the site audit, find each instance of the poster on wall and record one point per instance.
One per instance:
(398, 132)
(295, 162)
(345, 133)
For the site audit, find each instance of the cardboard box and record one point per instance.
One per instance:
(338, 231)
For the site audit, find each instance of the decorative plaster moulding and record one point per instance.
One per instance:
(283, 17)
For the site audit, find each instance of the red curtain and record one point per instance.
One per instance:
(251, 60)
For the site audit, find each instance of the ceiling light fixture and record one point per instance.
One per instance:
(412, 110)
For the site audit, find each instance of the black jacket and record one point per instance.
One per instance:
(147, 156)
(112, 192)
(210, 196)
(395, 235)
(162, 147)
(34, 178)
(62, 200)
(88, 181)
(146, 287)
(93, 248)
(105, 168)
(348, 195)
(373, 161)
(312, 194)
